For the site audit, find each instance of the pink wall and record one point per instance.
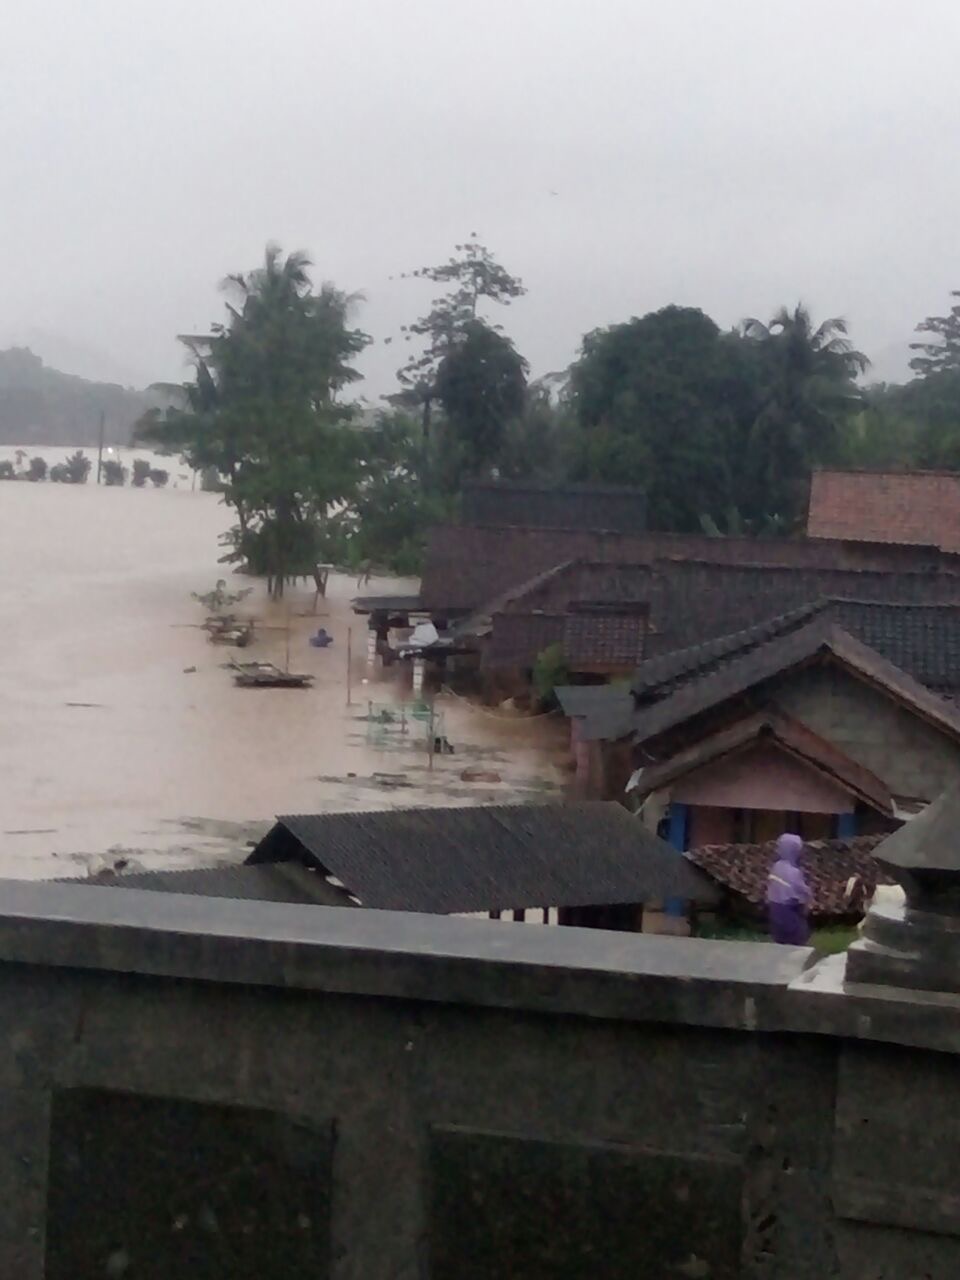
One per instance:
(763, 778)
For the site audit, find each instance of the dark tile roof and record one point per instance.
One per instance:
(789, 735)
(517, 638)
(488, 858)
(590, 641)
(695, 601)
(265, 883)
(603, 641)
(466, 566)
(743, 671)
(829, 866)
(922, 639)
(914, 508)
(618, 508)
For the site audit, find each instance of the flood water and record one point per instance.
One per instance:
(110, 744)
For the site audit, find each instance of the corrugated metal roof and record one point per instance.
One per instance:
(489, 858)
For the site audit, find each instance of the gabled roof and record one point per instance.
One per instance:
(829, 865)
(819, 637)
(488, 858)
(790, 736)
(906, 507)
(694, 601)
(468, 565)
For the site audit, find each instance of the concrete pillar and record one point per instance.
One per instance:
(371, 648)
(418, 666)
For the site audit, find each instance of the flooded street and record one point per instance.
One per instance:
(110, 744)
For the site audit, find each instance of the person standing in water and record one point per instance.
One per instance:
(788, 894)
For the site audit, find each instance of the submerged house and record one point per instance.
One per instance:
(592, 865)
(794, 724)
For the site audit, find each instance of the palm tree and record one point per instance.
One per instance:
(809, 391)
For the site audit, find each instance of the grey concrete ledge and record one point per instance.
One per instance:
(396, 955)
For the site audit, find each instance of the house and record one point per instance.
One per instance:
(909, 508)
(589, 864)
(795, 723)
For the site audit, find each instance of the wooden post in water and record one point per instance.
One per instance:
(349, 647)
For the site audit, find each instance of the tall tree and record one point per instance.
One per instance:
(263, 408)
(472, 276)
(655, 402)
(809, 392)
(481, 386)
(943, 352)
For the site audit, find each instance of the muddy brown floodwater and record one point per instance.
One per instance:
(110, 746)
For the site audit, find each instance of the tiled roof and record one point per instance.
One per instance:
(618, 508)
(829, 866)
(695, 601)
(466, 566)
(744, 671)
(922, 639)
(790, 735)
(916, 508)
(590, 641)
(488, 858)
(603, 640)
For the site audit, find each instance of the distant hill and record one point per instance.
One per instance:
(39, 405)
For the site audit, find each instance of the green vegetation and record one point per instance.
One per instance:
(76, 469)
(140, 473)
(114, 473)
(37, 469)
(549, 671)
(720, 428)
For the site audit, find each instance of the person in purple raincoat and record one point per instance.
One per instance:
(788, 894)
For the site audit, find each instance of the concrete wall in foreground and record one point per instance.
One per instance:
(215, 1089)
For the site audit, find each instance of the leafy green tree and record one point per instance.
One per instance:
(656, 402)
(470, 277)
(264, 409)
(941, 352)
(37, 469)
(809, 393)
(114, 473)
(481, 385)
(159, 477)
(141, 472)
(7, 470)
(76, 468)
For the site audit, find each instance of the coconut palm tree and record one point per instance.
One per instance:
(809, 391)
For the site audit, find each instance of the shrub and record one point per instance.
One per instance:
(158, 477)
(549, 670)
(114, 473)
(7, 471)
(77, 468)
(37, 469)
(141, 472)
(58, 474)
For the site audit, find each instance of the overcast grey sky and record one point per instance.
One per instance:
(729, 154)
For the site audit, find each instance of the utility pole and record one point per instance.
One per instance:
(103, 421)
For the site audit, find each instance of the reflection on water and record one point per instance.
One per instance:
(109, 740)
